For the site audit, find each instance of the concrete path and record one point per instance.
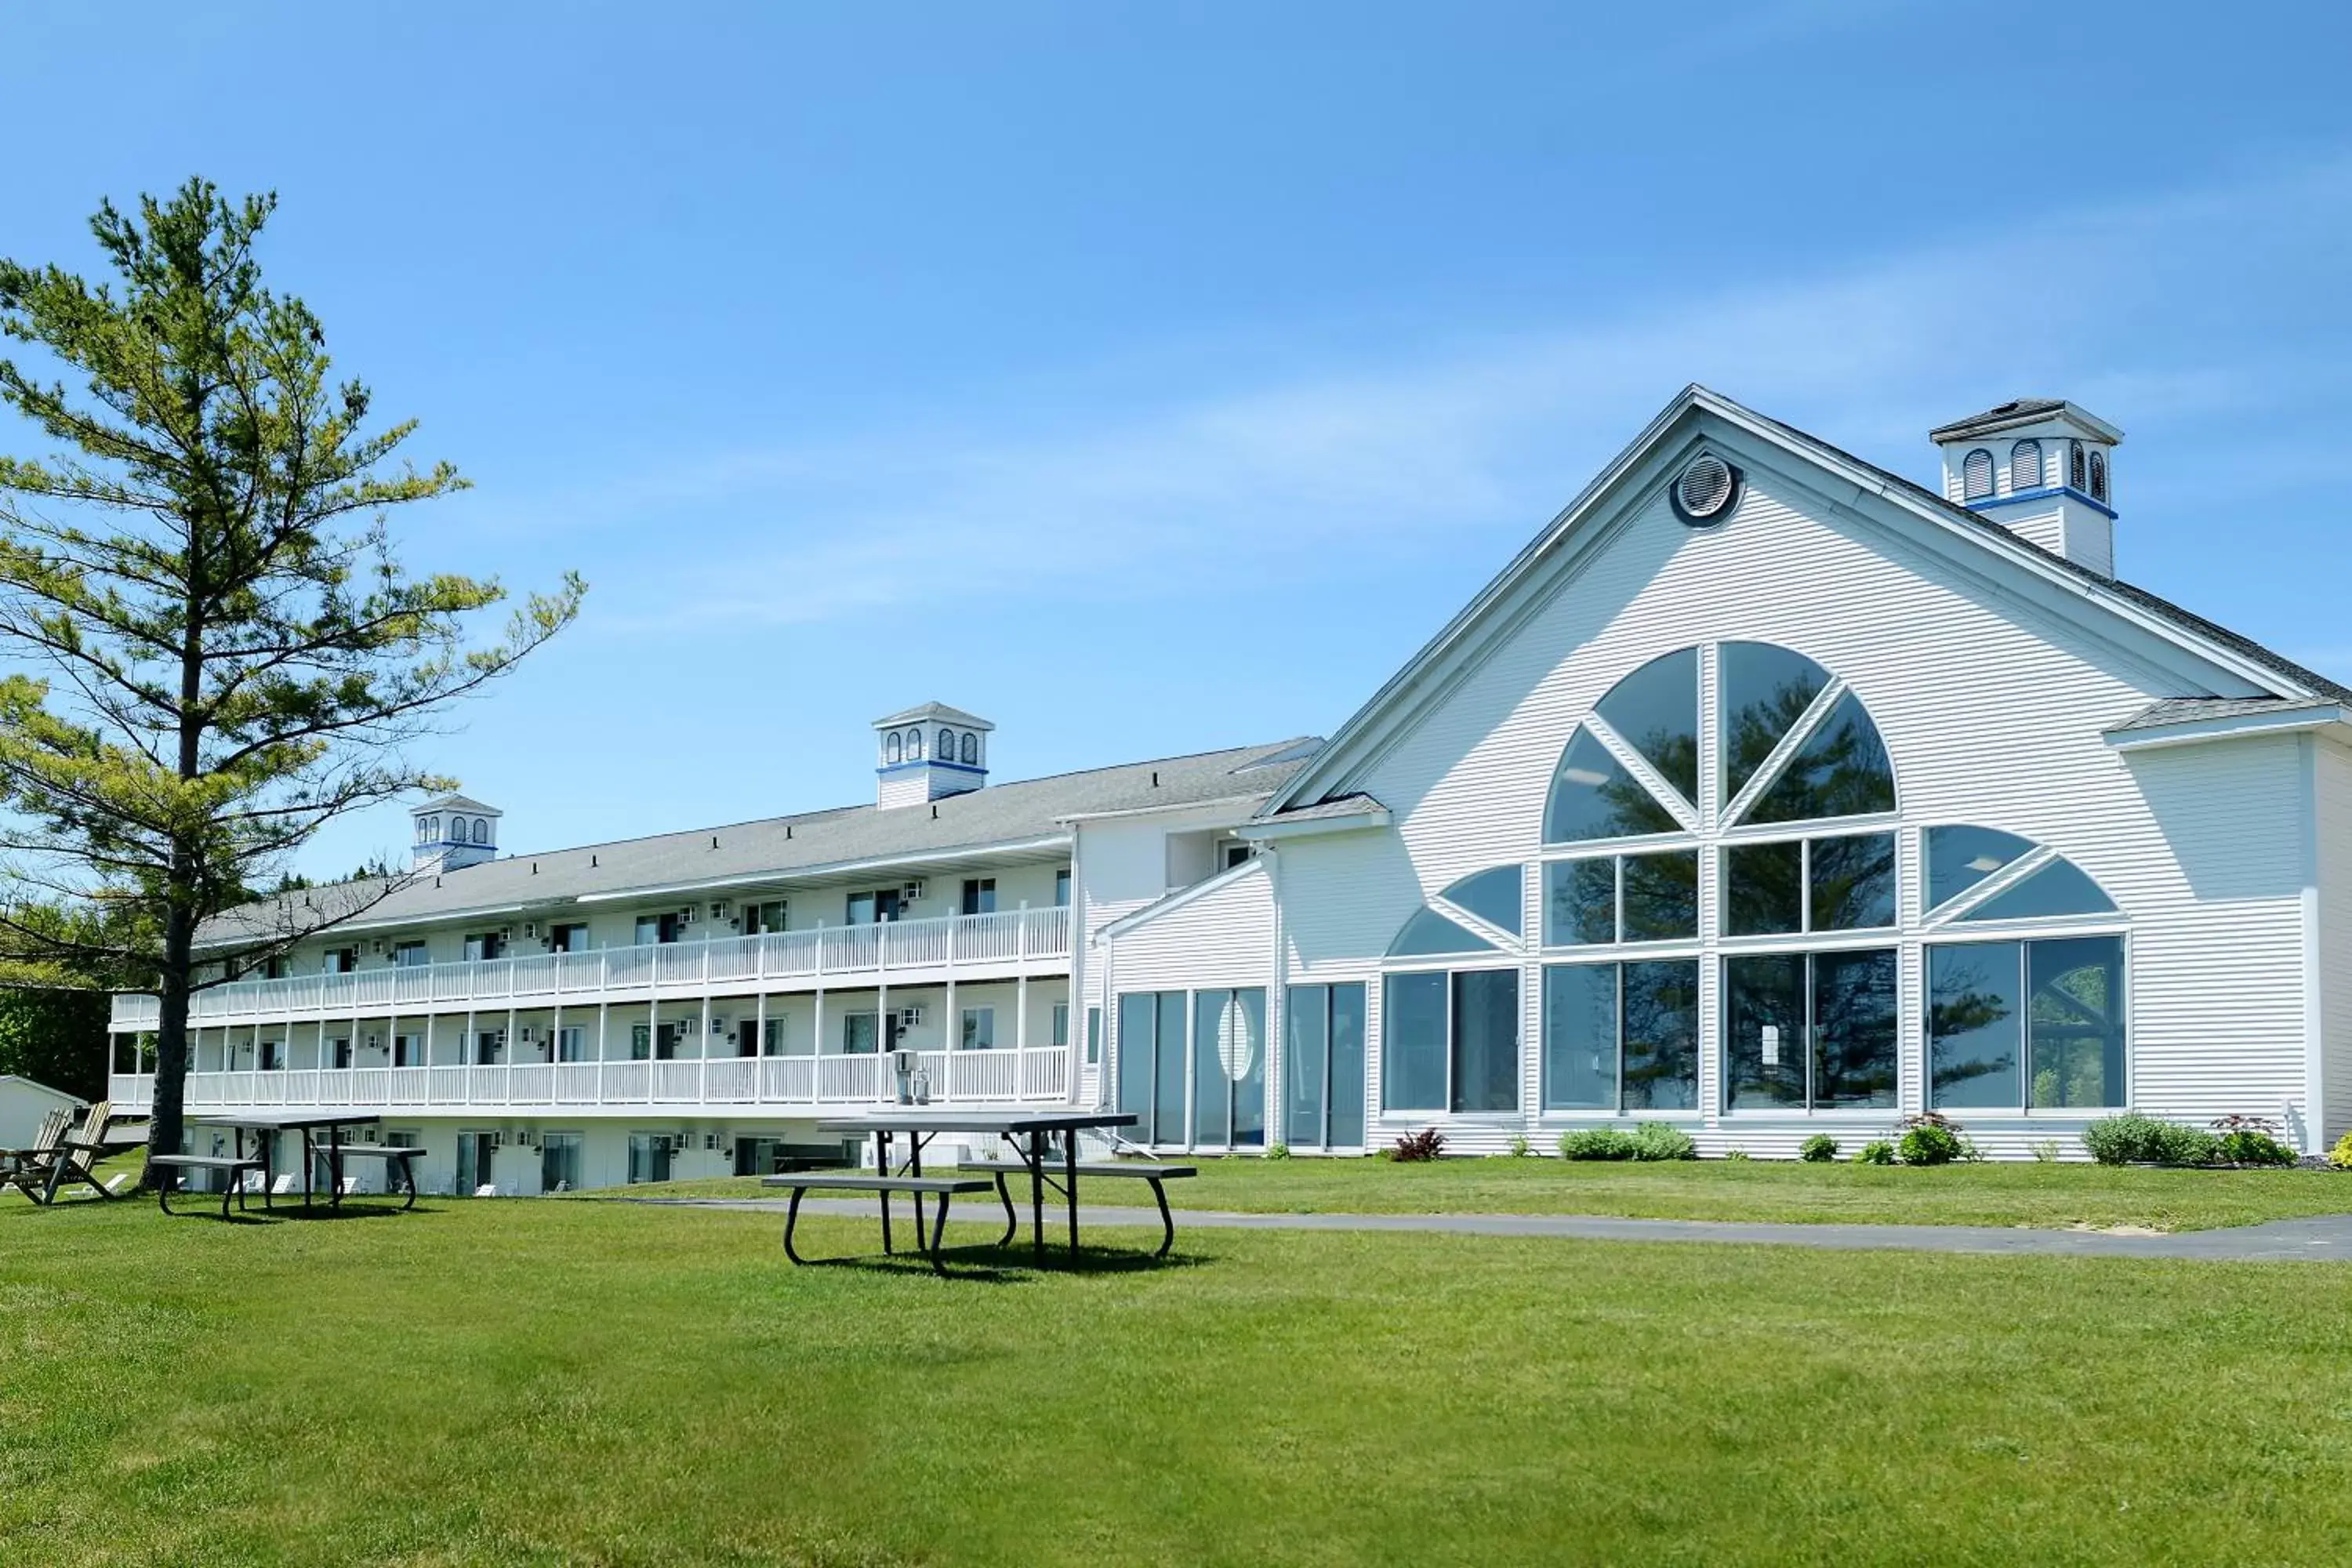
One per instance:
(2322, 1239)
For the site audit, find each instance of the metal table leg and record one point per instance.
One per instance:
(1070, 1184)
(1037, 1157)
(882, 1168)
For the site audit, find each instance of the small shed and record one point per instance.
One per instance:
(23, 1102)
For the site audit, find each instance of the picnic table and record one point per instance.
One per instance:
(1027, 1131)
(310, 1124)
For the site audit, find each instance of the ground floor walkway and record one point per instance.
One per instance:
(2324, 1239)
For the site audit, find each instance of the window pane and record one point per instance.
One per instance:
(1492, 896)
(1961, 855)
(1660, 1028)
(1976, 1026)
(1662, 896)
(2061, 887)
(2074, 1021)
(1763, 889)
(1853, 1029)
(1306, 1044)
(1215, 1021)
(1486, 1040)
(1579, 1037)
(1347, 1088)
(1764, 691)
(1581, 902)
(1168, 1095)
(1429, 933)
(1248, 1072)
(1764, 1031)
(1136, 1011)
(1842, 771)
(1655, 710)
(1593, 797)
(1853, 882)
(1412, 1043)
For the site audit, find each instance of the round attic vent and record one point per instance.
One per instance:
(1704, 492)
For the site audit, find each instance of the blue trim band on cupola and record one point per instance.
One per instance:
(2061, 492)
(889, 768)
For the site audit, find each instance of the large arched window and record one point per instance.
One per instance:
(2098, 475)
(1976, 475)
(893, 749)
(2025, 467)
(946, 751)
(971, 747)
(914, 745)
(2077, 473)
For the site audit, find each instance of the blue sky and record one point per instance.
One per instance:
(1155, 381)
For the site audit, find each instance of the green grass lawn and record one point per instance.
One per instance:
(1987, 1194)
(552, 1381)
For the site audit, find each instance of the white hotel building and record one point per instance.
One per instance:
(1765, 792)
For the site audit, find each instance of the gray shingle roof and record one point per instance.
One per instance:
(457, 803)
(809, 842)
(2016, 411)
(925, 711)
(2188, 710)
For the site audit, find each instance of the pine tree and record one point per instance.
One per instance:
(211, 649)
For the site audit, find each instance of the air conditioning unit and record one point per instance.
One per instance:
(710, 1141)
(506, 934)
(377, 946)
(375, 1042)
(497, 1140)
(914, 890)
(531, 1034)
(529, 930)
(717, 1025)
(689, 914)
(720, 909)
(908, 1017)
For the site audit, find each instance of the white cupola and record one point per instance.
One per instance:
(453, 833)
(928, 753)
(2042, 468)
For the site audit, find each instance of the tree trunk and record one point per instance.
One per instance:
(167, 1117)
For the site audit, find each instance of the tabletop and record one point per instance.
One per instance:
(978, 1119)
(293, 1121)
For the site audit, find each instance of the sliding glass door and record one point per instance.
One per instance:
(1323, 1064)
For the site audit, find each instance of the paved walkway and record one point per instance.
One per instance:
(2323, 1239)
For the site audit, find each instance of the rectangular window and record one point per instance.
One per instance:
(641, 1042)
(408, 1050)
(559, 1161)
(1094, 1036)
(488, 1044)
(339, 1051)
(979, 896)
(1809, 885)
(340, 960)
(860, 1032)
(979, 1032)
(1451, 1041)
(873, 908)
(649, 1157)
(1061, 1036)
(1324, 1052)
(1061, 888)
(411, 955)
(273, 1055)
(2026, 1025)
(1621, 898)
(477, 1162)
(571, 937)
(486, 944)
(570, 1044)
(766, 917)
(1810, 1031)
(1621, 1037)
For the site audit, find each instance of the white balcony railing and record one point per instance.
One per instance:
(748, 1085)
(1010, 937)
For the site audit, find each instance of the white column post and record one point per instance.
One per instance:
(604, 1013)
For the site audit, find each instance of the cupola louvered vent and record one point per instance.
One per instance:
(1705, 491)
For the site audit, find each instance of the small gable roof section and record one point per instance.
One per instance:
(2022, 411)
(928, 712)
(1643, 468)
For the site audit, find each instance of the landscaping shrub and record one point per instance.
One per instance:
(2244, 1146)
(1662, 1140)
(2045, 1152)
(2132, 1137)
(1598, 1144)
(2340, 1157)
(1819, 1150)
(1930, 1139)
(1736, 1152)
(1426, 1144)
(1278, 1151)
(1877, 1151)
(1519, 1148)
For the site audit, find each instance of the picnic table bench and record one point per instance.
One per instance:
(234, 1164)
(943, 1188)
(397, 1160)
(1131, 1170)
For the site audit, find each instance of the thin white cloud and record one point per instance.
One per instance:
(1400, 455)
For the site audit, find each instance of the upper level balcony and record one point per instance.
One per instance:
(1006, 945)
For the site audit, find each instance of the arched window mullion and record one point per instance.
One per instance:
(1510, 942)
(1992, 886)
(1774, 765)
(1631, 759)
